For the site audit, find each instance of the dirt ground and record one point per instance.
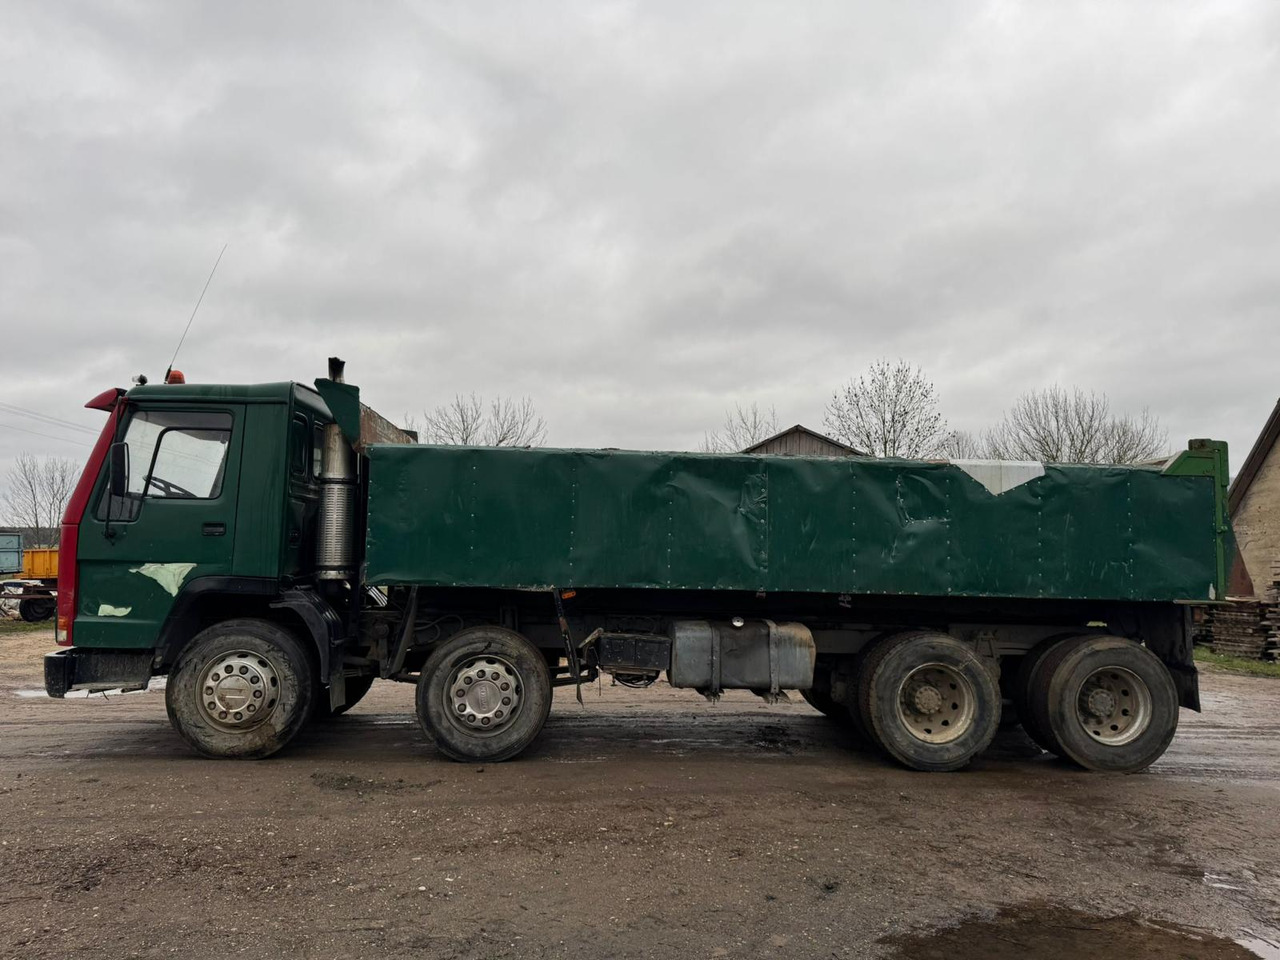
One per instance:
(647, 824)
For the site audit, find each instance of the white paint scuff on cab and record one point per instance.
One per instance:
(168, 575)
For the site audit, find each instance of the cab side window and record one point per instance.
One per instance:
(172, 455)
(317, 451)
(299, 446)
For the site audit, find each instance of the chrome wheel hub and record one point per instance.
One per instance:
(238, 690)
(926, 700)
(936, 703)
(1114, 706)
(483, 694)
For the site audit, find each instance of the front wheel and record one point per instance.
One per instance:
(484, 694)
(242, 689)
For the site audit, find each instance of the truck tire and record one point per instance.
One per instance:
(1031, 678)
(35, 609)
(357, 687)
(242, 689)
(1108, 703)
(928, 700)
(819, 696)
(826, 706)
(484, 694)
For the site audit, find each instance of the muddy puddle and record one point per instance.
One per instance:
(1053, 933)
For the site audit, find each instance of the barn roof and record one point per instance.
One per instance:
(801, 428)
(1253, 463)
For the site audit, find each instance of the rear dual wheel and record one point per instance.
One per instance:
(823, 703)
(821, 696)
(1105, 703)
(928, 700)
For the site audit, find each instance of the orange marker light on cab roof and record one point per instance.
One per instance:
(175, 376)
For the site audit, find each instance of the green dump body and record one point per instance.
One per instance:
(537, 518)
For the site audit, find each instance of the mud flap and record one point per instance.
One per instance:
(1166, 631)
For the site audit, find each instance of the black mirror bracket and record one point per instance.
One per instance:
(117, 483)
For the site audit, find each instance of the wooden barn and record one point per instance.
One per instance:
(800, 441)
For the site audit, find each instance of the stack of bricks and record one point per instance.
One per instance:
(1240, 628)
(1272, 615)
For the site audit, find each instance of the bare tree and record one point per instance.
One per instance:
(409, 424)
(470, 421)
(962, 445)
(743, 427)
(889, 411)
(35, 494)
(1057, 425)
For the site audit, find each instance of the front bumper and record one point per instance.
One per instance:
(80, 668)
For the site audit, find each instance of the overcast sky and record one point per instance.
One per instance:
(640, 213)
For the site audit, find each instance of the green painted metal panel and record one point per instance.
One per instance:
(260, 512)
(343, 400)
(218, 392)
(130, 570)
(535, 518)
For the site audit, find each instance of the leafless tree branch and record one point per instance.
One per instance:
(1056, 425)
(35, 494)
(889, 411)
(962, 445)
(743, 427)
(470, 421)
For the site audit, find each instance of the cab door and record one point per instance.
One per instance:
(173, 521)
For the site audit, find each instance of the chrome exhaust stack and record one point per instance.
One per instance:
(335, 539)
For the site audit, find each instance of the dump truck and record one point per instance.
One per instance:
(272, 549)
(28, 578)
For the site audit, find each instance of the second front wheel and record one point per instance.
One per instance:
(484, 694)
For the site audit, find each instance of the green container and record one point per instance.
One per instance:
(532, 519)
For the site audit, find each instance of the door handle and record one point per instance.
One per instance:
(214, 529)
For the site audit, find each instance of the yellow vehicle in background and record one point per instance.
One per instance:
(31, 578)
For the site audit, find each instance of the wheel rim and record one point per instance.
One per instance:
(239, 690)
(1114, 706)
(936, 703)
(483, 695)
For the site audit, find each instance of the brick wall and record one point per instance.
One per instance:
(1257, 521)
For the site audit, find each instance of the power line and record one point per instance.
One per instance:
(47, 436)
(39, 413)
(44, 417)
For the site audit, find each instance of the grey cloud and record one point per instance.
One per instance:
(638, 214)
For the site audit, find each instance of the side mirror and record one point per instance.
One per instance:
(119, 477)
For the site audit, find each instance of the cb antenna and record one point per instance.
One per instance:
(199, 300)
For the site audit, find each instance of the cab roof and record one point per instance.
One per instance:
(240, 392)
